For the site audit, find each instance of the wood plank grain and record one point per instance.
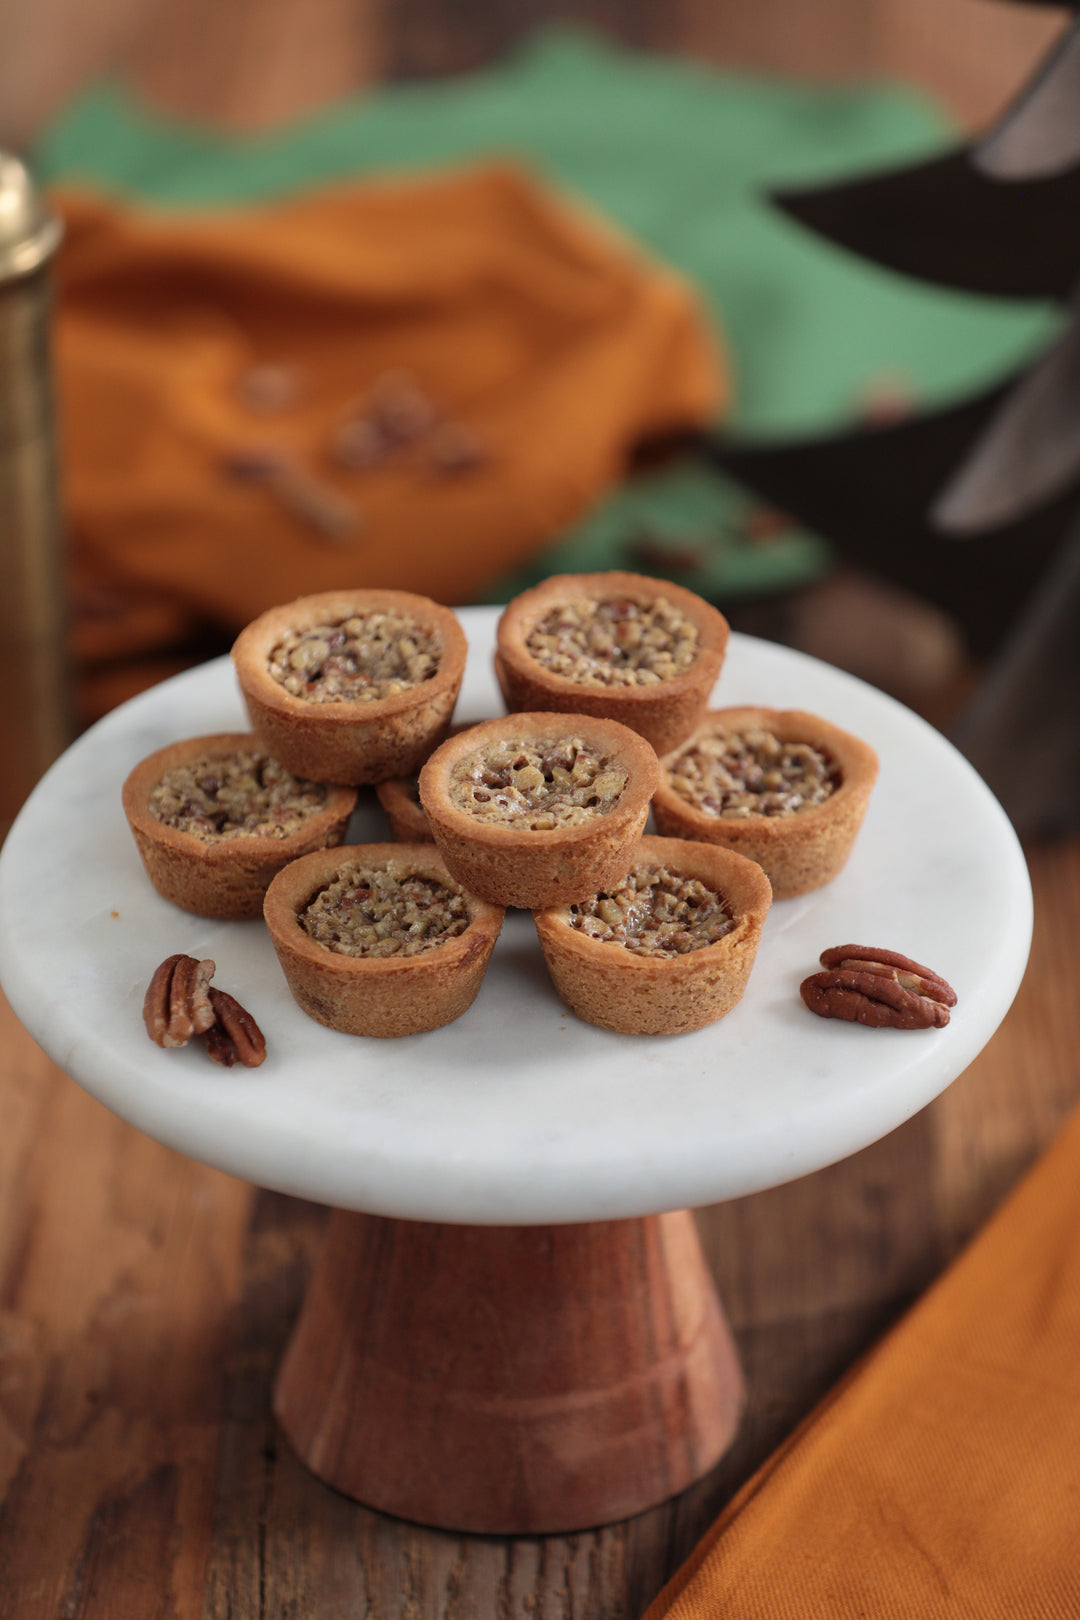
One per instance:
(118, 1268)
(1006, 1107)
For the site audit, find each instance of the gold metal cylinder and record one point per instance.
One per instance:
(35, 715)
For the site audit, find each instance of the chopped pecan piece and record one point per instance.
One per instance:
(315, 502)
(395, 414)
(453, 449)
(177, 1004)
(269, 387)
(401, 407)
(235, 1037)
(882, 989)
(359, 443)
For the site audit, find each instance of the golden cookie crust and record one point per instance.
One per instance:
(532, 869)
(801, 851)
(347, 741)
(408, 822)
(663, 714)
(407, 817)
(385, 996)
(605, 984)
(224, 878)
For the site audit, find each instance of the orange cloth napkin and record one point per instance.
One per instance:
(942, 1478)
(528, 321)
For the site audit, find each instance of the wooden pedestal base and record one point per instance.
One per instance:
(510, 1380)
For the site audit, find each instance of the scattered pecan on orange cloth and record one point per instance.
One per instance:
(546, 343)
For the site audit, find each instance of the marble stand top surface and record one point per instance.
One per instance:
(519, 1113)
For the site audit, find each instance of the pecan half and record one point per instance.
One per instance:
(316, 503)
(180, 1003)
(234, 1037)
(912, 975)
(177, 1002)
(866, 985)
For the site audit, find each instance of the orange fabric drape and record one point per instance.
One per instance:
(942, 1478)
(524, 317)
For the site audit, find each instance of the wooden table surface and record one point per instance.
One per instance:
(145, 1299)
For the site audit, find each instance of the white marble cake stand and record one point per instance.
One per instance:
(510, 1337)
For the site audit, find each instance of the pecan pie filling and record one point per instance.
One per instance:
(381, 911)
(614, 643)
(752, 773)
(537, 788)
(360, 659)
(242, 795)
(655, 912)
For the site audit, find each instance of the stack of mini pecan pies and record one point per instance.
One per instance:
(545, 809)
(342, 689)
(607, 680)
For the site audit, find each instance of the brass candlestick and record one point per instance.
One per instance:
(34, 711)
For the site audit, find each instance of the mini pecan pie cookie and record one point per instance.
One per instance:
(783, 787)
(216, 817)
(400, 800)
(351, 686)
(379, 939)
(667, 950)
(536, 810)
(623, 646)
